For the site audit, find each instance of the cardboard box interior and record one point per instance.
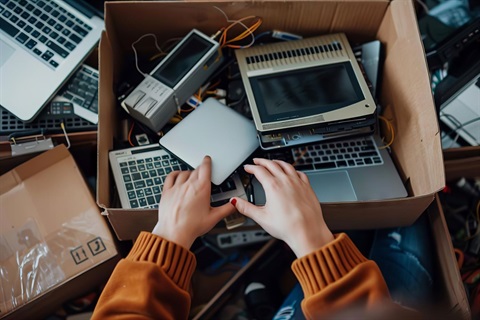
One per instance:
(51, 232)
(405, 90)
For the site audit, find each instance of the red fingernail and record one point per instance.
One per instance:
(233, 202)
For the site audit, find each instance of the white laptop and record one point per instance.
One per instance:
(42, 42)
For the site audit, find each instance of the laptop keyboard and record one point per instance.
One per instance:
(351, 153)
(144, 179)
(46, 28)
(82, 91)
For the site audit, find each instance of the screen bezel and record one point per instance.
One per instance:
(170, 58)
(266, 117)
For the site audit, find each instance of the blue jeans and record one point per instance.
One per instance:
(404, 256)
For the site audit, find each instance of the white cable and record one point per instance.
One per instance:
(135, 50)
(66, 135)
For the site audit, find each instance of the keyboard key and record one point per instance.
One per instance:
(75, 38)
(22, 38)
(149, 182)
(80, 30)
(44, 17)
(30, 44)
(39, 25)
(131, 195)
(11, 5)
(70, 46)
(58, 27)
(136, 176)
(134, 203)
(14, 19)
(51, 22)
(148, 192)
(28, 29)
(127, 178)
(47, 55)
(304, 167)
(40, 4)
(53, 35)
(25, 15)
(151, 200)
(37, 52)
(62, 18)
(142, 202)
(63, 53)
(325, 165)
(124, 170)
(129, 186)
(69, 23)
(139, 184)
(8, 27)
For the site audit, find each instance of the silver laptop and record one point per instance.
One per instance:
(42, 43)
(139, 173)
(353, 169)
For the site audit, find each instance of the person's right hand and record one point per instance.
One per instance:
(292, 212)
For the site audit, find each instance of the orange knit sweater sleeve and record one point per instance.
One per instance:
(152, 281)
(339, 282)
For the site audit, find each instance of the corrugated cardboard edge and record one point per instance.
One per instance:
(448, 268)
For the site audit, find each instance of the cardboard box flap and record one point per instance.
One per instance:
(51, 229)
(405, 82)
(317, 17)
(106, 123)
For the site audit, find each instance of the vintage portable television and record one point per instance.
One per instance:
(310, 87)
(182, 72)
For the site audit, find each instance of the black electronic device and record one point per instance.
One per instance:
(49, 120)
(454, 45)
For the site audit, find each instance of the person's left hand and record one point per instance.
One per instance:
(184, 212)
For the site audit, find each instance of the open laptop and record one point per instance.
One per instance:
(140, 172)
(354, 169)
(42, 43)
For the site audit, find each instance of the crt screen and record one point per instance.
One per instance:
(182, 61)
(305, 92)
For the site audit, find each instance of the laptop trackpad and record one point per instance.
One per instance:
(328, 186)
(332, 186)
(6, 51)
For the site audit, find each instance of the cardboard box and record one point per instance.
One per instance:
(405, 90)
(51, 236)
(451, 296)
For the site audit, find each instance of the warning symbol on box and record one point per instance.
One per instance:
(79, 255)
(96, 246)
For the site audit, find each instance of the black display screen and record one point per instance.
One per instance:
(305, 92)
(182, 60)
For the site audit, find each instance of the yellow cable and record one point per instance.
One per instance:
(391, 132)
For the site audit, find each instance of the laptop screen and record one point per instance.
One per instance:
(305, 92)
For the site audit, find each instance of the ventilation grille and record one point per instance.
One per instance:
(306, 51)
(11, 124)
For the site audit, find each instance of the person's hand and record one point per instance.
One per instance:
(292, 212)
(184, 212)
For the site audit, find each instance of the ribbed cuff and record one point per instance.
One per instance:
(178, 262)
(328, 264)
